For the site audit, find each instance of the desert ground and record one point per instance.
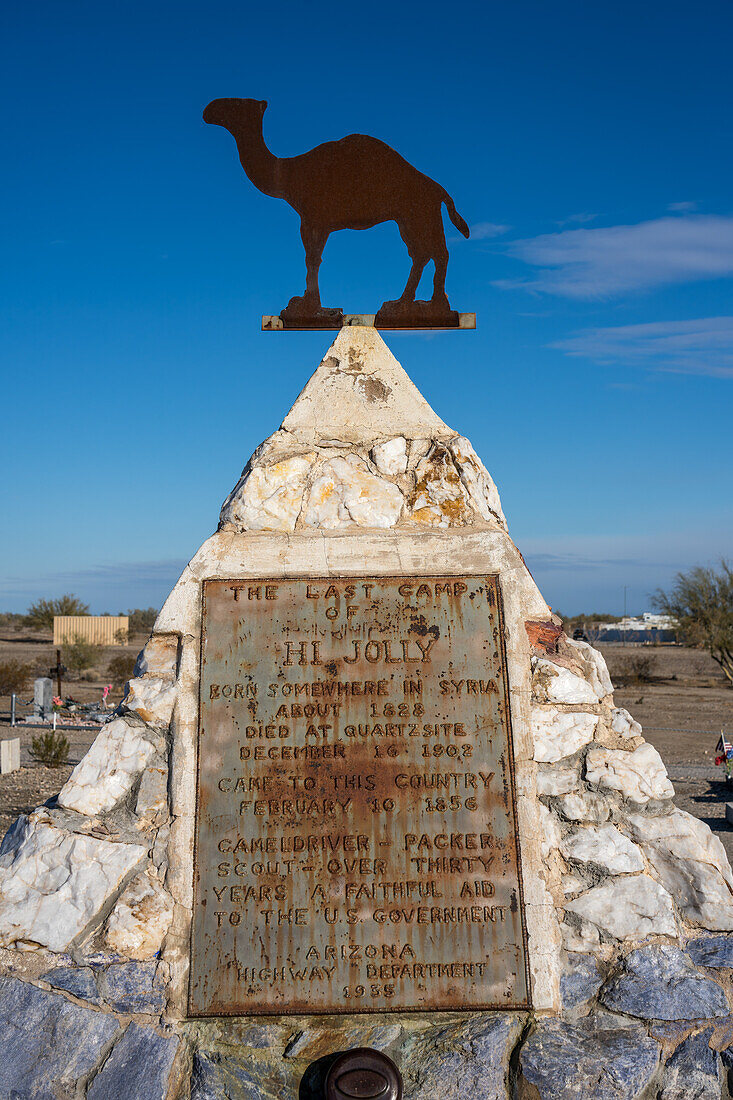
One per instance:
(679, 695)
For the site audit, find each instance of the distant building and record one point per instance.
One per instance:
(98, 629)
(648, 628)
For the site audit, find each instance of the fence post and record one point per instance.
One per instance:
(12, 709)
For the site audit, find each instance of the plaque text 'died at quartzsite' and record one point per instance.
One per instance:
(356, 836)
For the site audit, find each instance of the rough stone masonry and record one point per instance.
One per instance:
(629, 901)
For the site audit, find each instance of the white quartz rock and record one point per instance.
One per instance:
(604, 845)
(554, 684)
(476, 478)
(550, 830)
(555, 781)
(582, 805)
(159, 657)
(440, 498)
(691, 862)
(586, 938)
(106, 774)
(390, 457)
(54, 883)
(597, 669)
(345, 493)
(269, 498)
(631, 907)
(639, 775)
(140, 920)
(624, 725)
(557, 733)
(572, 884)
(152, 797)
(152, 699)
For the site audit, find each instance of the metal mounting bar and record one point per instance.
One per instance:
(367, 320)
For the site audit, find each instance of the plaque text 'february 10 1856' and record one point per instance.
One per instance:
(356, 835)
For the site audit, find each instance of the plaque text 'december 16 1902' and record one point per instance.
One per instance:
(356, 835)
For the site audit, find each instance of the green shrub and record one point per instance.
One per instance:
(637, 668)
(51, 749)
(14, 676)
(142, 619)
(701, 602)
(11, 620)
(121, 668)
(80, 654)
(41, 613)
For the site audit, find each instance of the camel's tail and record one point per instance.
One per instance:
(454, 216)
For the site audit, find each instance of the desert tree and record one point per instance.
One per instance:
(142, 619)
(702, 603)
(41, 613)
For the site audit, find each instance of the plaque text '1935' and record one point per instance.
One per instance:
(356, 839)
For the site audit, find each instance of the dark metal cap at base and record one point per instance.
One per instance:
(363, 1074)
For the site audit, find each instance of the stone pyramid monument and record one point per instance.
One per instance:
(561, 932)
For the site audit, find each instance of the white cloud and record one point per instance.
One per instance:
(577, 219)
(703, 346)
(483, 230)
(682, 207)
(600, 263)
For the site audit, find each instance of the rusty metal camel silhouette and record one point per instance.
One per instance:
(354, 183)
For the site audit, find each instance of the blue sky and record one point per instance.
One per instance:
(589, 147)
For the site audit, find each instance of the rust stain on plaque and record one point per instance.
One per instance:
(356, 834)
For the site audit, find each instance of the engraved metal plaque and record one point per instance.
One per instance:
(356, 835)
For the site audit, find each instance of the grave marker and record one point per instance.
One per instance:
(42, 698)
(9, 755)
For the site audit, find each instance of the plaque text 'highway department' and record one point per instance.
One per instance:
(356, 841)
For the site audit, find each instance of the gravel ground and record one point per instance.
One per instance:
(22, 791)
(34, 783)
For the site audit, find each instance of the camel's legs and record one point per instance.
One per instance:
(413, 280)
(441, 269)
(419, 256)
(314, 242)
(439, 253)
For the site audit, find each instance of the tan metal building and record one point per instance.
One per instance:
(98, 629)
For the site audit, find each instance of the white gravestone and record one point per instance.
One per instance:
(9, 756)
(42, 697)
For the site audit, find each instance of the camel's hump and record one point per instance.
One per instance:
(354, 149)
